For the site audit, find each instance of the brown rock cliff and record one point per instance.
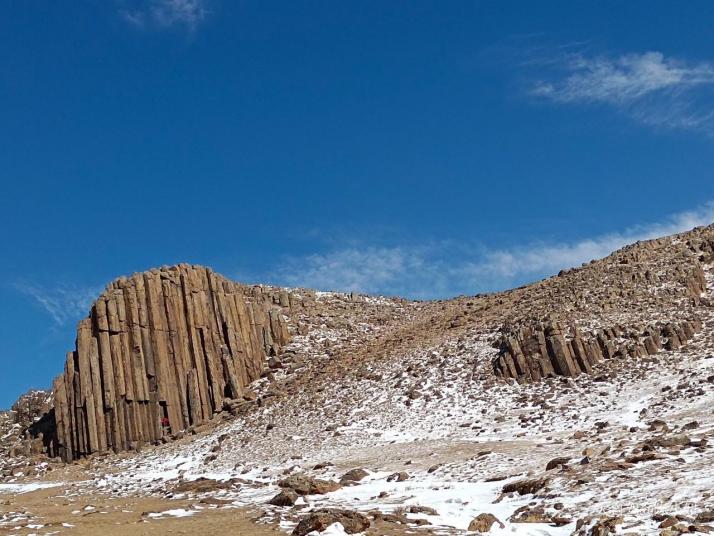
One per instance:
(160, 352)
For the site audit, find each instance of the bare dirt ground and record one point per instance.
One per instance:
(70, 507)
(73, 508)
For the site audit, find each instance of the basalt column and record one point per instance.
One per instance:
(160, 352)
(539, 351)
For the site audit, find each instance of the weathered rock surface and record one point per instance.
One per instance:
(362, 374)
(159, 353)
(544, 350)
(165, 350)
(306, 485)
(319, 520)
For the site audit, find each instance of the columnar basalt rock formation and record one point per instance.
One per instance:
(638, 287)
(160, 352)
(545, 350)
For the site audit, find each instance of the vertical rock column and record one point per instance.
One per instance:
(531, 353)
(160, 352)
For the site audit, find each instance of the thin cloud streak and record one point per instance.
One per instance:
(166, 14)
(442, 270)
(63, 304)
(649, 87)
(373, 269)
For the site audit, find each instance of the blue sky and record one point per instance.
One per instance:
(424, 149)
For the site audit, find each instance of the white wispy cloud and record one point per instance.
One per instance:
(650, 87)
(449, 269)
(165, 13)
(372, 269)
(64, 303)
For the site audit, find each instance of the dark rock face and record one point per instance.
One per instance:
(159, 353)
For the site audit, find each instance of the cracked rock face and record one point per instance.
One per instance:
(533, 353)
(160, 352)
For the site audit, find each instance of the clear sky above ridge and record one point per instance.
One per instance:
(424, 149)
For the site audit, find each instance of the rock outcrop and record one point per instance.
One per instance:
(545, 350)
(160, 352)
(621, 306)
(25, 430)
(31, 407)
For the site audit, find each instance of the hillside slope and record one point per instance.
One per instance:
(449, 406)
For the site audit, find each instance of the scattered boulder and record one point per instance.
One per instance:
(557, 462)
(202, 485)
(303, 484)
(669, 441)
(319, 520)
(398, 477)
(484, 522)
(705, 517)
(644, 457)
(525, 487)
(355, 475)
(414, 509)
(286, 497)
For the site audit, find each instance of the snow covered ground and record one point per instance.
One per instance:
(27, 487)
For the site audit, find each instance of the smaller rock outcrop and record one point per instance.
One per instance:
(546, 349)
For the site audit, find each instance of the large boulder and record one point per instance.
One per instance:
(525, 487)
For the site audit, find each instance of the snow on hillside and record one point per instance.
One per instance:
(633, 444)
